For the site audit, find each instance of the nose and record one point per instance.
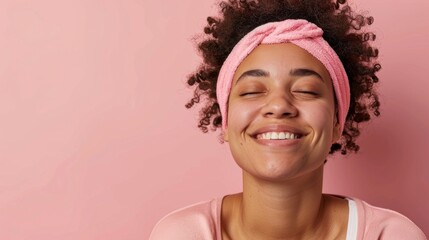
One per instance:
(280, 106)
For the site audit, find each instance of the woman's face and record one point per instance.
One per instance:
(281, 113)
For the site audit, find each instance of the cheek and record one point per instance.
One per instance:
(241, 114)
(320, 116)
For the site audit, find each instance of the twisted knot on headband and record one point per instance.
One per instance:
(295, 30)
(299, 32)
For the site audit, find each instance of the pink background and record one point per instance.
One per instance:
(95, 142)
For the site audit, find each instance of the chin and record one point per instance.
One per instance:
(281, 170)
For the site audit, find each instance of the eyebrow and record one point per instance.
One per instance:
(301, 72)
(296, 72)
(254, 73)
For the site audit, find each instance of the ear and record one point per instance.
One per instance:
(225, 134)
(336, 134)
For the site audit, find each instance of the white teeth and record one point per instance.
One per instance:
(277, 135)
(274, 135)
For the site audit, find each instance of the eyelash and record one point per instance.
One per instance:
(248, 93)
(302, 92)
(308, 92)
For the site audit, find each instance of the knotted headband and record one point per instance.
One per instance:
(299, 32)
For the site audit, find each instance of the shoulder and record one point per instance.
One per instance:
(197, 221)
(381, 223)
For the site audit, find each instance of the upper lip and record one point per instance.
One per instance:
(278, 128)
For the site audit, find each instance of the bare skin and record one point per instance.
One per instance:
(269, 211)
(281, 88)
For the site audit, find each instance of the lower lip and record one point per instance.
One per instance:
(278, 142)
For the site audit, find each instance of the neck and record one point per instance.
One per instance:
(282, 210)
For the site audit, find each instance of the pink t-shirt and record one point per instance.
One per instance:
(201, 221)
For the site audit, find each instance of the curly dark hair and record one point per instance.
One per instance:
(343, 30)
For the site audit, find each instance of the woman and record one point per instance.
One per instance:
(288, 82)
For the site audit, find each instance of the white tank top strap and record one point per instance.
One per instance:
(352, 225)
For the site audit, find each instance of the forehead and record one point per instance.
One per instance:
(279, 59)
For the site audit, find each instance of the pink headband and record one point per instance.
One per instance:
(299, 32)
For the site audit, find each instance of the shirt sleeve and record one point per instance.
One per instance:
(190, 223)
(173, 227)
(385, 224)
(401, 228)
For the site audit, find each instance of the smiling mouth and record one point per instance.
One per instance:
(278, 136)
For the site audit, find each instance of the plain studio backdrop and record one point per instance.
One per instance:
(95, 141)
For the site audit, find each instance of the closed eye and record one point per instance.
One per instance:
(307, 92)
(249, 93)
